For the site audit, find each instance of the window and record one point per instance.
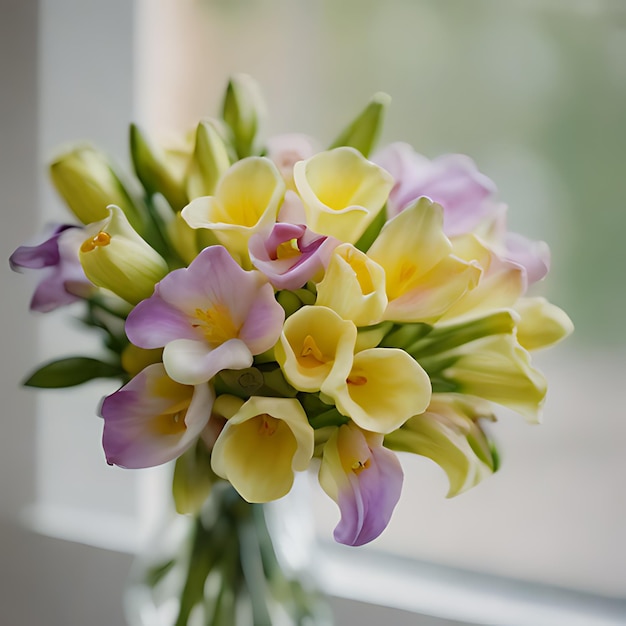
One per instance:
(535, 92)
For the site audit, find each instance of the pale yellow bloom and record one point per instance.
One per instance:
(541, 323)
(116, 258)
(342, 192)
(315, 346)
(385, 387)
(500, 285)
(423, 276)
(353, 286)
(498, 369)
(246, 200)
(448, 433)
(262, 445)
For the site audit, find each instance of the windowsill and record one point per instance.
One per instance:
(455, 594)
(376, 578)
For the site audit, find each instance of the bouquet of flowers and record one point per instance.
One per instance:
(270, 306)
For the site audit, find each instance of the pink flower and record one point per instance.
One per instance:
(451, 180)
(364, 479)
(291, 255)
(64, 281)
(286, 150)
(532, 256)
(210, 316)
(152, 419)
(467, 198)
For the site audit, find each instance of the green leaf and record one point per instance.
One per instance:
(72, 371)
(372, 231)
(363, 132)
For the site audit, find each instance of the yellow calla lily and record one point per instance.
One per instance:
(541, 323)
(262, 445)
(353, 286)
(86, 180)
(423, 276)
(500, 285)
(342, 192)
(384, 388)
(315, 345)
(246, 200)
(448, 433)
(498, 369)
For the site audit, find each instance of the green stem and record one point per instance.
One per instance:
(449, 337)
(203, 555)
(253, 571)
(332, 417)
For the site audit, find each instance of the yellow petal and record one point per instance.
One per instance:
(542, 323)
(500, 285)
(423, 278)
(498, 369)
(384, 388)
(353, 286)
(246, 200)
(448, 433)
(315, 344)
(341, 191)
(262, 445)
(436, 292)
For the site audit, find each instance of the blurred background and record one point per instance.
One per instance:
(533, 90)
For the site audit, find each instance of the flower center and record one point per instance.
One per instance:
(404, 280)
(288, 249)
(356, 379)
(216, 325)
(267, 424)
(358, 466)
(311, 355)
(361, 271)
(171, 423)
(100, 240)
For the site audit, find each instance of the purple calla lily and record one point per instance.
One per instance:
(364, 479)
(152, 419)
(451, 180)
(291, 254)
(210, 316)
(64, 281)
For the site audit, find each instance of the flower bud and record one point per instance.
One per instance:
(209, 160)
(86, 181)
(242, 110)
(115, 257)
(154, 171)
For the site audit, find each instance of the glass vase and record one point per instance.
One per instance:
(220, 567)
